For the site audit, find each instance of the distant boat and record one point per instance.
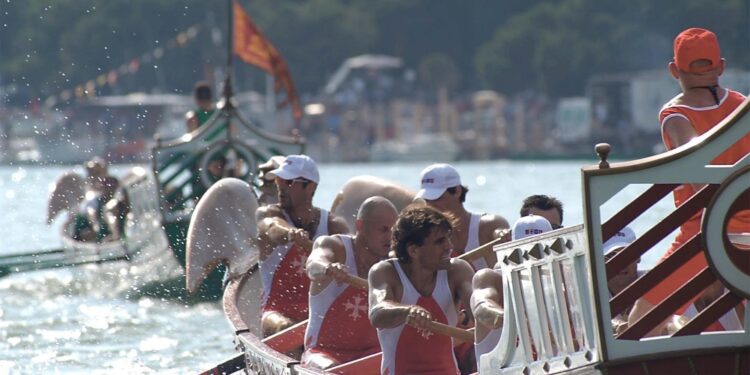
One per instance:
(423, 147)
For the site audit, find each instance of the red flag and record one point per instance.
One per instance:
(253, 48)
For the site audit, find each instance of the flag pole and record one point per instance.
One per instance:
(230, 45)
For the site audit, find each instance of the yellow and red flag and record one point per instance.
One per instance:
(253, 48)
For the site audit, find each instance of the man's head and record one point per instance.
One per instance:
(96, 167)
(375, 220)
(530, 225)
(441, 187)
(614, 246)
(216, 166)
(542, 205)
(697, 58)
(266, 179)
(423, 233)
(296, 178)
(203, 95)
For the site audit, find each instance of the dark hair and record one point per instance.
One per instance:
(414, 225)
(202, 91)
(541, 202)
(464, 190)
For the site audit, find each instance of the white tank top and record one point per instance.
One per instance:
(389, 337)
(268, 266)
(321, 302)
(472, 242)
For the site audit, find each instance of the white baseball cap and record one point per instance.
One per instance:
(623, 238)
(436, 179)
(296, 166)
(530, 225)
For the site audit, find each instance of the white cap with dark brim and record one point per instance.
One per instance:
(297, 166)
(436, 179)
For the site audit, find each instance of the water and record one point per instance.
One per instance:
(72, 321)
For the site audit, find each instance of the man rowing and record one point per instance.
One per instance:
(338, 330)
(487, 295)
(286, 231)
(423, 284)
(442, 189)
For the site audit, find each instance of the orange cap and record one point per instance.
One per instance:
(696, 44)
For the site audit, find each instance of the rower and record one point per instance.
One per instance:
(203, 97)
(269, 193)
(627, 276)
(545, 206)
(702, 105)
(487, 295)
(285, 234)
(338, 329)
(90, 224)
(423, 284)
(442, 189)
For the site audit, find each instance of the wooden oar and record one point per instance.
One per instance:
(481, 251)
(437, 327)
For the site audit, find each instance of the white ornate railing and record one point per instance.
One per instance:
(548, 326)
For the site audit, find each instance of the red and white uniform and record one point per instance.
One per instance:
(285, 284)
(702, 120)
(406, 351)
(338, 325)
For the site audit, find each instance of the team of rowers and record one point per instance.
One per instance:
(410, 259)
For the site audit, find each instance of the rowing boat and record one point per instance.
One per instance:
(558, 309)
(150, 251)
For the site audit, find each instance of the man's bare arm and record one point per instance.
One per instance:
(680, 132)
(460, 276)
(487, 298)
(337, 225)
(274, 230)
(385, 312)
(325, 260)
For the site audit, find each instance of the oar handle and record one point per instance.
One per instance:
(437, 327)
(356, 281)
(455, 332)
(481, 251)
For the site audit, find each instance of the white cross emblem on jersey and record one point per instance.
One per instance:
(356, 307)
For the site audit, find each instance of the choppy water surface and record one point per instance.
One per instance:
(74, 321)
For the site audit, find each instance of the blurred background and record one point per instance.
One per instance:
(471, 80)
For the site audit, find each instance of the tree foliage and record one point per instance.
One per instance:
(510, 46)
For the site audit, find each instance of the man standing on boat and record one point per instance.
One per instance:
(442, 189)
(286, 231)
(702, 105)
(338, 329)
(204, 100)
(487, 294)
(423, 284)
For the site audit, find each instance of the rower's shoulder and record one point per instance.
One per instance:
(271, 210)
(491, 221)
(332, 242)
(459, 266)
(337, 224)
(486, 278)
(383, 270)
